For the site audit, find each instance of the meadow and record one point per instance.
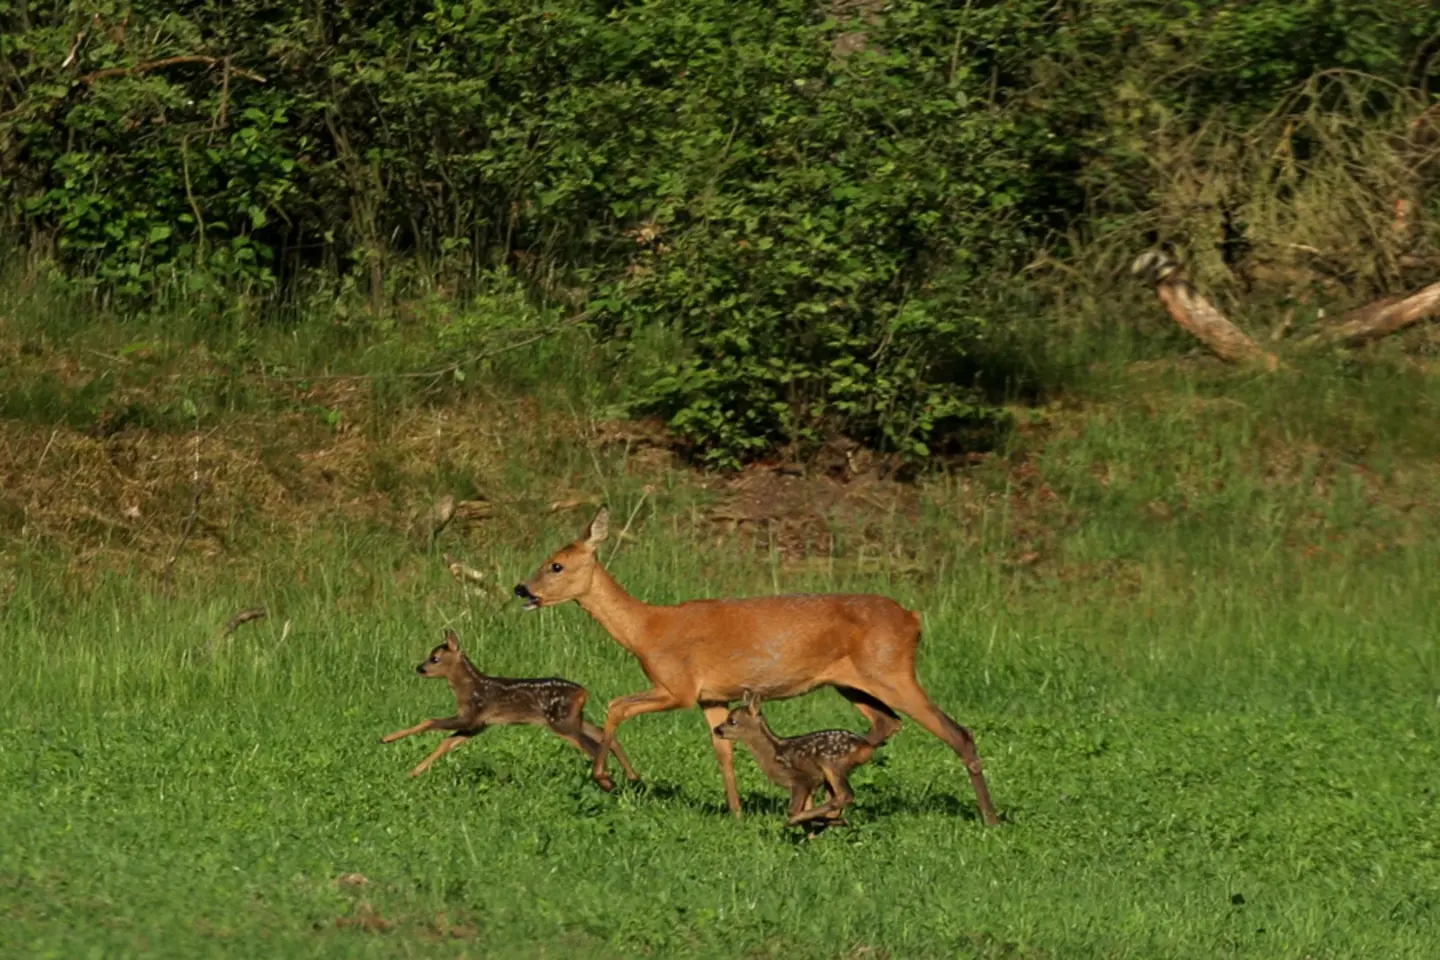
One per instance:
(1190, 615)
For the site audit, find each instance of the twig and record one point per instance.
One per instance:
(91, 78)
(440, 371)
(190, 196)
(242, 618)
(625, 530)
(189, 528)
(74, 49)
(235, 623)
(222, 115)
(48, 444)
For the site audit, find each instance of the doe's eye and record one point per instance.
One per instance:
(556, 568)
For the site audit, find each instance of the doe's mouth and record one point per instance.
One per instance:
(531, 603)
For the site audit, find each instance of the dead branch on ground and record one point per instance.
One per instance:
(1196, 314)
(1378, 320)
(235, 623)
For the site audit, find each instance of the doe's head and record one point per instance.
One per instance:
(567, 574)
(444, 658)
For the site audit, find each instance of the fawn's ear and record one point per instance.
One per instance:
(452, 640)
(752, 702)
(599, 529)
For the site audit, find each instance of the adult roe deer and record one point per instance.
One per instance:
(710, 652)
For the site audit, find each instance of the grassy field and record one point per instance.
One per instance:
(1191, 618)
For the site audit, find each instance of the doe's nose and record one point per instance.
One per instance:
(522, 591)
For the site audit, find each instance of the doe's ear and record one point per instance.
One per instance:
(452, 640)
(599, 528)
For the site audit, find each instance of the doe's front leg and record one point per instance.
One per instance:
(715, 715)
(654, 700)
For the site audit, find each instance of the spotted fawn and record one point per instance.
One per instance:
(483, 701)
(802, 764)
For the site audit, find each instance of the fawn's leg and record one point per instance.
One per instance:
(420, 727)
(840, 797)
(461, 721)
(588, 745)
(654, 700)
(801, 796)
(446, 745)
(715, 715)
(596, 734)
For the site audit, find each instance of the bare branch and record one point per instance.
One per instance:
(149, 65)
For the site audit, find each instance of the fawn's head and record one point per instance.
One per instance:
(443, 659)
(567, 574)
(744, 721)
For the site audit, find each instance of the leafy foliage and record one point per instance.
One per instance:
(812, 197)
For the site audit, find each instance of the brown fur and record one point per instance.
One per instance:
(483, 701)
(709, 652)
(801, 764)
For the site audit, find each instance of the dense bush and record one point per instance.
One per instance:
(815, 226)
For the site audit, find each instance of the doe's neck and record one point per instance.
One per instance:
(623, 617)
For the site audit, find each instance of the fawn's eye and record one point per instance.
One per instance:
(434, 659)
(556, 568)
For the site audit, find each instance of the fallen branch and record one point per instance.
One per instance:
(242, 618)
(146, 67)
(462, 573)
(1384, 317)
(235, 623)
(1196, 314)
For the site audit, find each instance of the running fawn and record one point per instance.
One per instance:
(482, 701)
(802, 764)
(706, 652)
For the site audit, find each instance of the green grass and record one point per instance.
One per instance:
(1209, 710)
(1218, 770)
